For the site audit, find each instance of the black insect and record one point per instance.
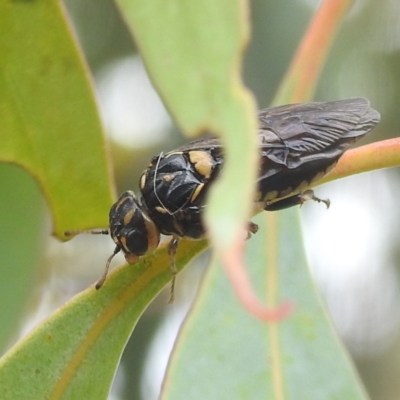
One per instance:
(299, 144)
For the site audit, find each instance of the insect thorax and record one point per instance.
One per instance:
(174, 188)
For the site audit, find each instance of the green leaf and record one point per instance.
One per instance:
(49, 122)
(74, 354)
(21, 241)
(223, 352)
(193, 52)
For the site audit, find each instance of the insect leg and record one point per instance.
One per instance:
(297, 200)
(251, 229)
(172, 247)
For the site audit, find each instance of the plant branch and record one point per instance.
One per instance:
(383, 154)
(302, 76)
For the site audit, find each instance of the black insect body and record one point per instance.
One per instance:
(299, 144)
(175, 185)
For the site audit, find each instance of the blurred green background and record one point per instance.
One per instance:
(353, 248)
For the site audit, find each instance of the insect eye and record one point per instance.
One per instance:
(136, 242)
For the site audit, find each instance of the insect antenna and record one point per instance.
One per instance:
(89, 231)
(101, 281)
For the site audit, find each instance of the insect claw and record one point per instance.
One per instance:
(252, 228)
(327, 202)
(309, 195)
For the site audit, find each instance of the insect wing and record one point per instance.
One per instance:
(200, 144)
(300, 141)
(293, 135)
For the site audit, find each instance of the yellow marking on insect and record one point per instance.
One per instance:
(168, 178)
(131, 258)
(143, 180)
(318, 177)
(273, 194)
(116, 240)
(303, 186)
(161, 210)
(122, 241)
(153, 235)
(122, 200)
(202, 162)
(196, 192)
(286, 192)
(128, 216)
